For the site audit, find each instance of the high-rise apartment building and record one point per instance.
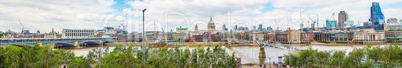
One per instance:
(342, 17)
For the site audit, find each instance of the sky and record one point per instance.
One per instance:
(45, 15)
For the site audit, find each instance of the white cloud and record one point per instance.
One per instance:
(249, 13)
(197, 11)
(170, 14)
(44, 15)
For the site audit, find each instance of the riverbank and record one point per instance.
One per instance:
(213, 44)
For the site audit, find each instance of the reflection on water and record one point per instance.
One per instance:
(331, 48)
(250, 54)
(262, 55)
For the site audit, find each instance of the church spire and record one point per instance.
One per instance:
(210, 18)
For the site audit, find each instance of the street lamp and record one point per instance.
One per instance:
(180, 41)
(143, 37)
(269, 62)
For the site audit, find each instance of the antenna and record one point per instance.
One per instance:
(318, 23)
(301, 24)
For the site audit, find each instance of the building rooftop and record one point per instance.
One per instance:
(182, 28)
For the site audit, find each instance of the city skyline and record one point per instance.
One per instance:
(45, 15)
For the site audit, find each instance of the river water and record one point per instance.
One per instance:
(249, 54)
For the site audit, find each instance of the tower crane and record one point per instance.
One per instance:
(23, 28)
(313, 22)
(332, 16)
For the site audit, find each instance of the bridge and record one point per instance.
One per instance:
(58, 42)
(275, 44)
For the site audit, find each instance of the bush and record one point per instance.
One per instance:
(119, 57)
(384, 57)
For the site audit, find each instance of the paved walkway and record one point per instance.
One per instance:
(258, 66)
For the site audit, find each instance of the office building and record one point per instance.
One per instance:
(181, 30)
(367, 25)
(78, 33)
(393, 35)
(260, 27)
(281, 37)
(307, 37)
(392, 20)
(256, 36)
(369, 35)
(377, 17)
(333, 36)
(269, 29)
(331, 23)
(393, 26)
(294, 36)
(235, 28)
(342, 17)
(349, 24)
(223, 27)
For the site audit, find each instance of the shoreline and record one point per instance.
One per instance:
(202, 44)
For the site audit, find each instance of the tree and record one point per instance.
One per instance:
(119, 57)
(387, 57)
(2, 34)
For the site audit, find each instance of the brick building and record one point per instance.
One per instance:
(196, 38)
(271, 37)
(282, 37)
(307, 37)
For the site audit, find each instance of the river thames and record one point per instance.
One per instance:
(249, 54)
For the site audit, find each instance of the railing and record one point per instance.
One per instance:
(34, 40)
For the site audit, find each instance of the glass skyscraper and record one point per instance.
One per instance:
(331, 23)
(376, 16)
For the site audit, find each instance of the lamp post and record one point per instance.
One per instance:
(289, 35)
(180, 41)
(269, 62)
(143, 37)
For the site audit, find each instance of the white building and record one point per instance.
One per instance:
(211, 25)
(393, 26)
(392, 20)
(369, 35)
(78, 33)
(349, 24)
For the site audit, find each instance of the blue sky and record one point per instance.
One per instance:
(120, 5)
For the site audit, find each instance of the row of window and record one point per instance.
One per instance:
(79, 34)
(44, 40)
(79, 30)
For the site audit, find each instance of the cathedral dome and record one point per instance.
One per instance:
(211, 22)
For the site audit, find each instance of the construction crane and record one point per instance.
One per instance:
(332, 16)
(167, 42)
(23, 28)
(163, 33)
(313, 22)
